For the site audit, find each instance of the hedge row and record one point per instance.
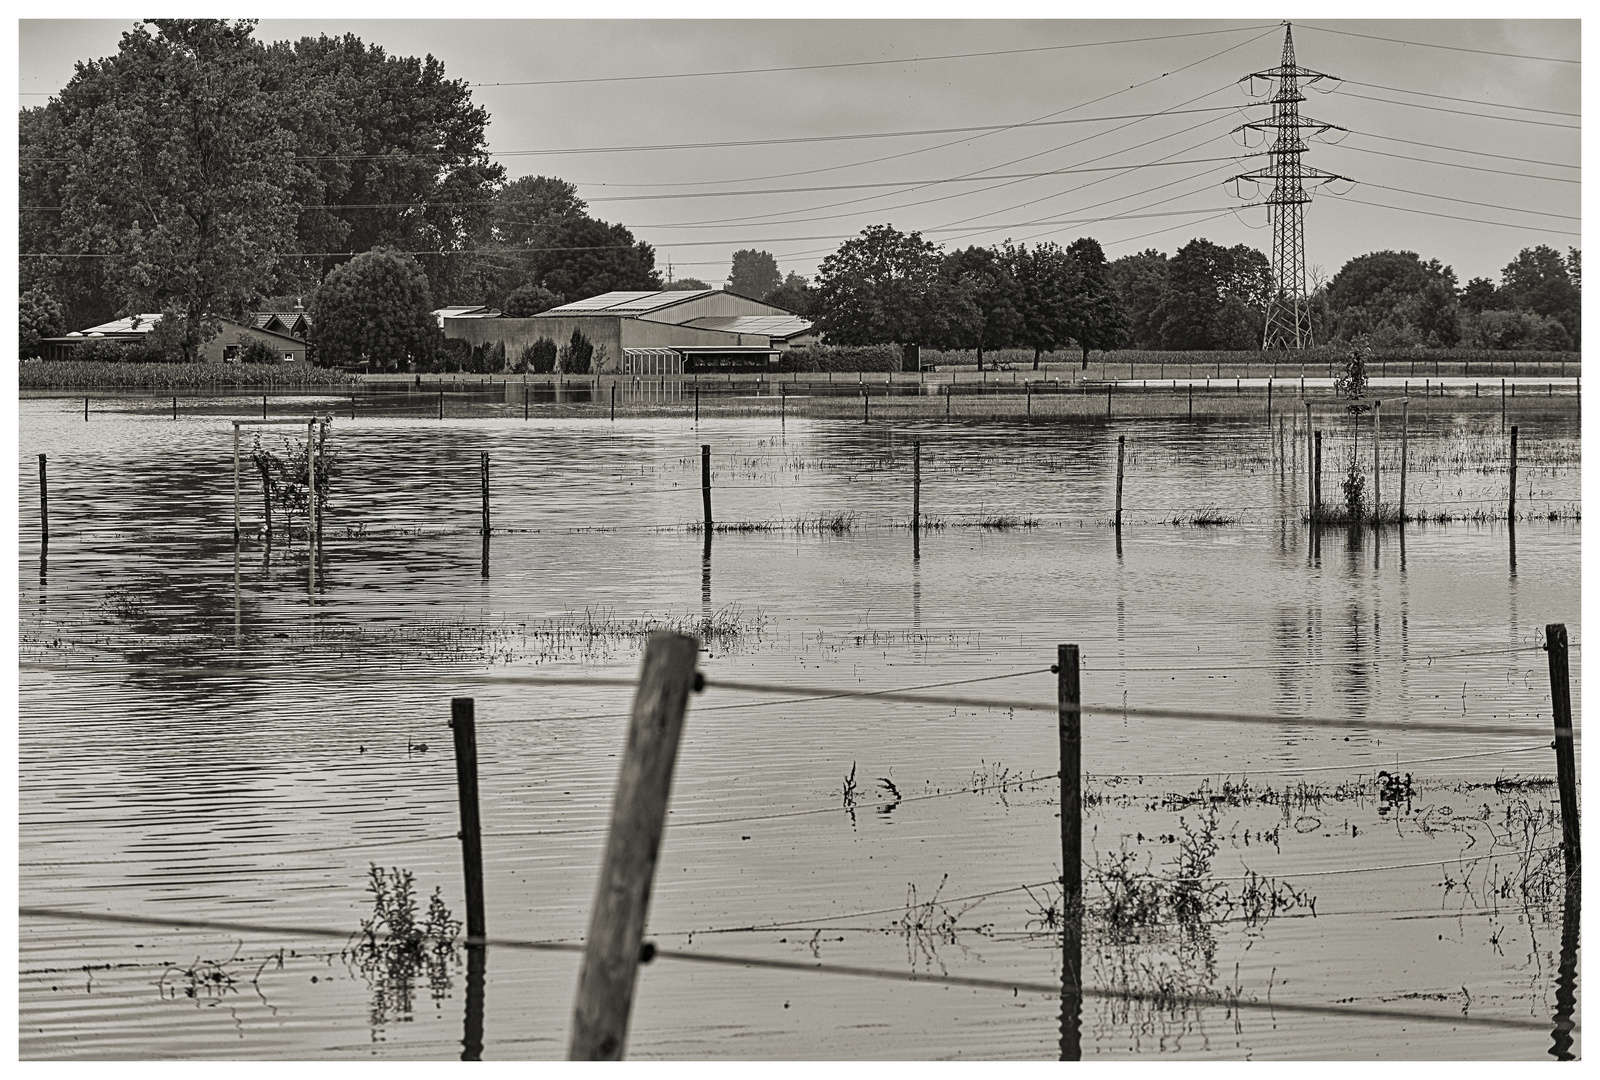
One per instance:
(90, 374)
(843, 358)
(1322, 354)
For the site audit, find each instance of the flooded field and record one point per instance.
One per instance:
(211, 736)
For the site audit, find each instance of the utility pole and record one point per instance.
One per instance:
(1288, 323)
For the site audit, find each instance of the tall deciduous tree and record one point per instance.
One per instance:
(1540, 281)
(1096, 318)
(754, 273)
(177, 170)
(38, 316)
(984, 275)
(1215, 297)
(795, 294)
(1140, 281)
(1048, 278)
(1396, 295)
(375, 308)
(886, 286)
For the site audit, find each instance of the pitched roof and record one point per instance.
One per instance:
(130, 324)
(778, 326)
(627, 302)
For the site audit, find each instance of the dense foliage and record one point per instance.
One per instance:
(754, 273)
(375, 309)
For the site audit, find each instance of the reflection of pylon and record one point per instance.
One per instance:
(1288, 307)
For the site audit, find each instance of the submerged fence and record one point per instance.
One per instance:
(615, 946)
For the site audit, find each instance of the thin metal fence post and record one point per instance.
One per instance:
(705, 482)
(1405, 431)
(44, 510)
(1511, 495)
(1122, 446)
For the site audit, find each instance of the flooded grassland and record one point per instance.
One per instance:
(223, 737)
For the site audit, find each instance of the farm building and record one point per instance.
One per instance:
(222, 348)
(654, 333)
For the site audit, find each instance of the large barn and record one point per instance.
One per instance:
(654, 333)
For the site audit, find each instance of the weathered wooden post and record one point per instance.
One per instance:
(705, 483)
(1069, 730)
(1316, 481)
(483, 465)
(1122, 446)
(174, 406)
(1027, 388)
(1502, 404)
(622, 899)
(1191, 401)
(783, 402)
(697, 402)
(85, 410)
(1108, 399)
(1377, 488)
(1269, 402)
(441, 404)
(44, 510)
(1405, 431)
(1511, 496)
(947, 390)
(1555, 643)
(263, 406)
(463, 727)
(236, 483)
(866, 408)
(525, 400)
(916, 499)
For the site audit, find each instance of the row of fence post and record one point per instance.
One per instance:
(614, 946)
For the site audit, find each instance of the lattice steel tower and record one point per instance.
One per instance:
(1288, 307)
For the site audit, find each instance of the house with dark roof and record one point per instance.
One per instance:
(664, 332)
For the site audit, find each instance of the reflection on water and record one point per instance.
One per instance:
(151, 783)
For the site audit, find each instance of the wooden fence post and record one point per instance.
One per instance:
(866, 407)
(235, 483)
(1069, 727)
(705, 482)
(85, 410)
(622, 899)
(916, 499)
(441, 404)
(696, 402)
(1511, 496)
(1122, 446)
(1502, 404)
(1377, 487)
(1316, 480)
(44, 510)
(464, 727)
(1555, 643)
(483, 465)
(1405, 428)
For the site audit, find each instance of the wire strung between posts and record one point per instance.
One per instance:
(819, 968)
(1154, 713)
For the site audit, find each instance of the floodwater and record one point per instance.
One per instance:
(153, 784)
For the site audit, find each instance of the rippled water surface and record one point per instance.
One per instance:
(210, 737)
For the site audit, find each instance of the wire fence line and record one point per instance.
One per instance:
(819, 968)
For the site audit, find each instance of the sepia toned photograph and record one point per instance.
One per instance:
(841, 539)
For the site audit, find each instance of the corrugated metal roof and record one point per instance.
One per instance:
(132, 324)
(626, 302)
(781, 326)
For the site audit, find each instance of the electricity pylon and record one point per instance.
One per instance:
(1288, 307)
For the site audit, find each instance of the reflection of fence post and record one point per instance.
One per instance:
(622, 898)
(1069, 731)
(705, 482)
(1555, 643)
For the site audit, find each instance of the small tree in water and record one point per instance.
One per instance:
(285, 480)
(1350, 383)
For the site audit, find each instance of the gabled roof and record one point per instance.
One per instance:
(291, 323)
(627, 303)
(465, 311)
(778, 326)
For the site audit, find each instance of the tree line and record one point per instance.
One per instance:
(202, 173)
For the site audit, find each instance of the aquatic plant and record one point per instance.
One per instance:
(393, 947)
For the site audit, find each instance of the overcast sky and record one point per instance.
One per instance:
(685, 201)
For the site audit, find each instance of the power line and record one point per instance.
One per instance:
(863, 63)
(1455, 164)
(1463, 112)
(1463, 150)
(1467, 101)
(1458, 217)
(1469, 202)
(1435, 45)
